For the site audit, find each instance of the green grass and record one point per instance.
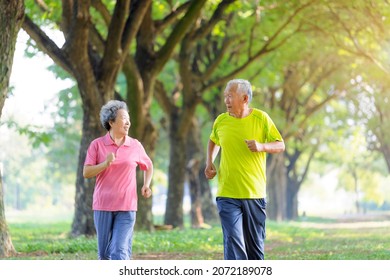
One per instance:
(312, 239)
(293, 242)
(49, 241)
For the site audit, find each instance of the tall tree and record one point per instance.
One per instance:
(341, 32)
(221, 47)
(378, 119)
(149, 60)
(11, 18)
(356, 175)
(103, 38)
(307, 86)
(367, 38)
(95, 70)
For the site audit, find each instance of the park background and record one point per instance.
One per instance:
(319, 68)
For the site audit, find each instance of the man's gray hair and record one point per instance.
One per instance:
(109, 112)
(243, 87)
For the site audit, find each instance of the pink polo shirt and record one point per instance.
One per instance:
(116, 186)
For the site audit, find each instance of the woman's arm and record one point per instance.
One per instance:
(90, 171)
(148, 174)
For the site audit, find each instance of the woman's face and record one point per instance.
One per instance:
(122, 122)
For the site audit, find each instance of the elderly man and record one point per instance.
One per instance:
(245, 135)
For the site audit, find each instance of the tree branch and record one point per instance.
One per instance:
(360, 51)
(160, 25)
(113, 52)
(264, 50)
(178, 33)
(102, 9)
(47, 45)
(162, 97)
(217, 60)
(138, 10)
(76, 14)
(215, 18)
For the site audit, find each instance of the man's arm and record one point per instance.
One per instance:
(271, 147)
(212, 151)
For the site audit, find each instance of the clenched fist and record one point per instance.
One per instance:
(110, 158)
(254, 146)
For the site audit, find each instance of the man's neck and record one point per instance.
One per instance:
(242, 114)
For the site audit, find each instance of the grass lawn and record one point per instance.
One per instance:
(309, 239)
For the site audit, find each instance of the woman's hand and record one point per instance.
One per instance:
(146, 191)
(110, 158)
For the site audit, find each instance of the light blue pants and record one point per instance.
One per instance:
(243, 227)
(114, 234)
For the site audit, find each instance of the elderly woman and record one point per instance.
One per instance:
(113, 159)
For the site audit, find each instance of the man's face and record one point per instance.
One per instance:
(234, 101)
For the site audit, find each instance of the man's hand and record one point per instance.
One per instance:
(210, 171)
(254, 146)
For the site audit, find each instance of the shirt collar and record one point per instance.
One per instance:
(108, 141)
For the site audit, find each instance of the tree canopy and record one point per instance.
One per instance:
(318, 67)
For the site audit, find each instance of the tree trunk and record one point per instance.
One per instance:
(194, 159)
(292, 200)
(199, 185)
(144, 219)
(385, 149)
(83, 223)
(276, 187)
(194, 185)
(6, 246)
(11, 19)
(356, 189)
(209, 208)
(177, 170)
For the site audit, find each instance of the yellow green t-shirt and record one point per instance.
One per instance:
(242, 173)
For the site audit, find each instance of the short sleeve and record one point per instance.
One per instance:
(144, 162)
(214, 135)
(273, 133)
(214, 132)
(91, 157)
